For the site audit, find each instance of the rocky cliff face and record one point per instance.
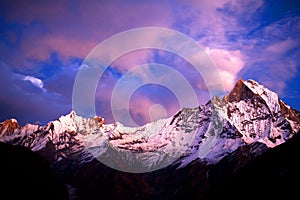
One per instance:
(251, 119)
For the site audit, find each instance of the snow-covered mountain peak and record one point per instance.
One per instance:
(271, 98)
(9, 126)
(249, 113)
(259, 114)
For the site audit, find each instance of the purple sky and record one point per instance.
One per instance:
(43, 44)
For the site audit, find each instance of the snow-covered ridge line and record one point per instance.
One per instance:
(271, 98)
(246, 119)
(260, 117)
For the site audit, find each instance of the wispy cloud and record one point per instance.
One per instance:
(274, 57)
(229, 64)
(35, 81)
(43, 44)
(26, 101)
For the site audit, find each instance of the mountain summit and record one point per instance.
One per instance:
(250, 116)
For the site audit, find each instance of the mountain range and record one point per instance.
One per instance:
(244, 144)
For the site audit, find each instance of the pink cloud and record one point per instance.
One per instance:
(140, 108)
(74, 29)
(282, 47)
(133, 59)
(271, 65)
(281, 71)
(74, 33)
(206, 18)
(68, 46)
(229, 63)
(143, 110)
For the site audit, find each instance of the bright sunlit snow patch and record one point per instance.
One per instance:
(207, 132)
